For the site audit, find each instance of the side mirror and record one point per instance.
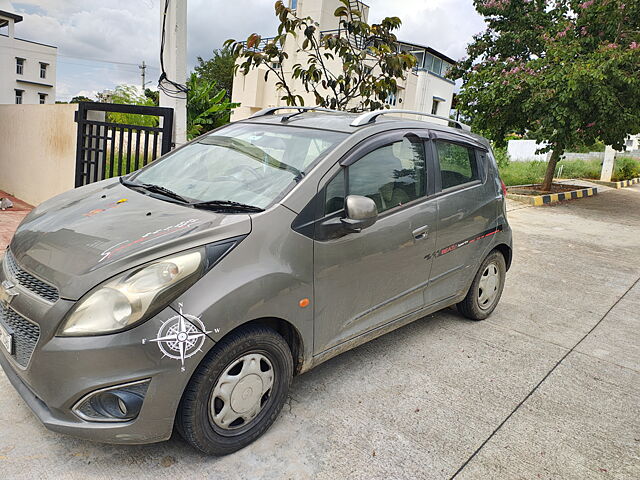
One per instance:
(361, 213)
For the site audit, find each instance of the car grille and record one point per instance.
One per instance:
(30, 282)
(25, 334)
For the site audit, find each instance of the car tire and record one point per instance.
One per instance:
(227, 383)
(479, 303)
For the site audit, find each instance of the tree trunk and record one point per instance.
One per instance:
(551, 168)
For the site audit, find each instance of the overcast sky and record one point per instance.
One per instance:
(100, 43)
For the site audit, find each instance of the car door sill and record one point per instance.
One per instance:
(381, 330)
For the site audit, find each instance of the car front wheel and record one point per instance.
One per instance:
(237, 392)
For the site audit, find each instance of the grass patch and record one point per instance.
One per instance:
(524, 173)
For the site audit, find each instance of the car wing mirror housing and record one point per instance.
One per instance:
(361, 212)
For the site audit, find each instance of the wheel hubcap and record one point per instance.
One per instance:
(241, 391)
(488, 286)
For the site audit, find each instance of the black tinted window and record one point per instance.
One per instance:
(334, 197)
(391, 175)
(457, 164)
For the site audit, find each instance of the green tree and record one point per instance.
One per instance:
(128, 95)
(207, 106)
(80, 98)
(563, 71)
(369, 61)
(218, 69)
(154, 95)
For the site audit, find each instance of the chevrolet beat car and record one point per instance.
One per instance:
(190, 292)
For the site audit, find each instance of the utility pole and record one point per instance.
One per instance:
(143, 67)
(174, 58)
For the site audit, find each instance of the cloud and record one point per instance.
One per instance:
(127, 31)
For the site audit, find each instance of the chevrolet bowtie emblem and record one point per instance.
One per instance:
(7, 292)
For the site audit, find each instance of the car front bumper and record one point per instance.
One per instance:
(61, 371)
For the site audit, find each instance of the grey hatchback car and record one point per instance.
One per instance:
(190, 292)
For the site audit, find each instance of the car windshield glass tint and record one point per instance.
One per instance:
(247, 163)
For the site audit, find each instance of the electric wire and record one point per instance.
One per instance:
(167, 86)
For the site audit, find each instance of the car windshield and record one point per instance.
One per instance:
(247, 163)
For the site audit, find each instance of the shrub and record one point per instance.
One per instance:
(501, 156)
(522, 173)
(626, 169)
(579, 169)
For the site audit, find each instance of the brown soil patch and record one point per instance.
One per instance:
(537, 189)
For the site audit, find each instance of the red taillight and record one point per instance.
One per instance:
(504, 188)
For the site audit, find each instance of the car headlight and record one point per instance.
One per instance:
(137, 295)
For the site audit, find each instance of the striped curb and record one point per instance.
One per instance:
(537, 200)
(621, 184)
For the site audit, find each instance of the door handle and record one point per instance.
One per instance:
(421, 232)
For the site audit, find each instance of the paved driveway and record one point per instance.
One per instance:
(548, 387)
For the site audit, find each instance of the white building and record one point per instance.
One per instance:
(425, 89)
(27, 69)
(632, 143)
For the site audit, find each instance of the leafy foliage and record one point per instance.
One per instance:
(207, 106)
(219, 69)
(154, 95)
(128, 95)
(367, 58)
(626, 169)
(80, 98)
(564, 71)
(523, 173)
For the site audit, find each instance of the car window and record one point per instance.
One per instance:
(457, 164)
(334, 194)
(391, 175)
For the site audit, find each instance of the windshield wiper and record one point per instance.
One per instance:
(227, 205)
(150, 187)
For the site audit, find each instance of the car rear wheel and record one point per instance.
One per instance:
(485, 291)
(237, 392)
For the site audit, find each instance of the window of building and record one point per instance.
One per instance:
(19, 66)
(43, 70)
(43, 98)
(437, 65)
(294, 4)
(457, 164)
(391, 99)
(419, 54)
(434, 107)
(391, 175)
(19, 96)
(428, 61)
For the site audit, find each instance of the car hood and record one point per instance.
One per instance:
(85, 236)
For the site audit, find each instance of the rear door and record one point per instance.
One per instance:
(365, 280)
(466, 214)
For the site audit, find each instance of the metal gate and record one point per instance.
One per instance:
(107, 148)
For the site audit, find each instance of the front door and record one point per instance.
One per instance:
(365, 280)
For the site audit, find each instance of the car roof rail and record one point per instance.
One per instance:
(370, 117)
(272, 110)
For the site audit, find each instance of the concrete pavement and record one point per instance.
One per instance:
(548, 387)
